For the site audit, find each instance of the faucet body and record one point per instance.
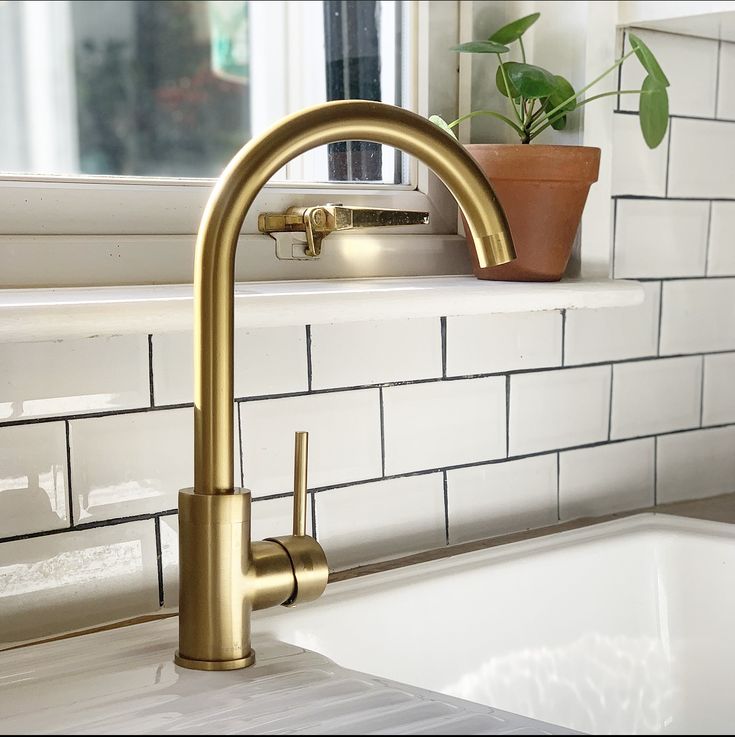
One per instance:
(223, 576)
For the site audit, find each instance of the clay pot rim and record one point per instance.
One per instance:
(537, 162)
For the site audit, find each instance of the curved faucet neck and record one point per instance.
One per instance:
(233, 195)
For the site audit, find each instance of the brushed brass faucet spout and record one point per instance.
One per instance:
(224, 576)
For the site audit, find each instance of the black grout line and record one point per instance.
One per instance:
(69, 491)
(717, 77)
(443, 330)
(507, 415)
(382, 433)
(314, 533)
(150, 370)
(89, 525)
(660, 317)
(610, 404)
(662, 198)
(446, 507)
(159, 560)
(308, 358)
(670, 133)
(563, 337)
(709, 238)
(239, 443)
(558, 486)
(613, 242)
(361, 482)
(95, 415)
(655, 471)
(363, 387)
(668, 32)
(701, 394)
(618, 100)
(684, 278)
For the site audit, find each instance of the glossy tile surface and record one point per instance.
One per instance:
(641, 171)
(443, 423)
(33, 487)
(66, 377)
(557, 409)
(267, 361)
(498, 498)
(382, 520)
(130, 464)
(487, 344)
(76, 579)
(360, 353)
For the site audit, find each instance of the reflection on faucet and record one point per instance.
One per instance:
(223, 575)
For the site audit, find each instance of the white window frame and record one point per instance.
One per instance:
(48, 222)
(57, 231)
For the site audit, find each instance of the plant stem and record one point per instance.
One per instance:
(493, 114)
(523, 50)
(550, 120)
(562, 105)
(507, 89)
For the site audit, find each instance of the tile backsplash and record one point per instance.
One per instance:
(424, 432)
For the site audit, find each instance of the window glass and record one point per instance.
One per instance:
(173, 88)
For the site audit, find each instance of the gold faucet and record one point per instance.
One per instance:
(223, 575)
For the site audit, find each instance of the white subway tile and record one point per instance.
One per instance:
(613, 333)
(558, 409)
(381, 520)
(606, 479)
(267, 361)
(702, 158)
(487, 344)
(73, 376)
(130, 464)
(344, 442)
(726, 97)
(721, 260)
(690, 64)
(718, 405)
(77, 579)
(637, 169)
(33, 492)
(660, 238)
(656, 396)
(443, 423)
(693, 465)
(698, 316)
(359, 353)
(499, 498)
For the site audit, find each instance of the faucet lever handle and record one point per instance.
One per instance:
(300, 474)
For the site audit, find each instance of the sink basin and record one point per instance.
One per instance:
(618, 628)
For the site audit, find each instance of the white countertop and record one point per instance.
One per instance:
(44, 314)
(124, 681)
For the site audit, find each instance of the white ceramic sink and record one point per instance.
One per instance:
(620, 628)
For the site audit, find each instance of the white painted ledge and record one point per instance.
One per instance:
(46, 314)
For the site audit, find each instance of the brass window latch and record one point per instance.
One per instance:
(318, 222)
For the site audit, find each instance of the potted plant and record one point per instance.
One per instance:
(543, 188)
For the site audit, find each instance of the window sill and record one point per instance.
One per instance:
(48, 314)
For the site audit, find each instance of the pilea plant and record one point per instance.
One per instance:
(539, 98)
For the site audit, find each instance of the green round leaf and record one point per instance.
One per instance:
(513, 31)
(439, 121)
(654, 111)
(559, 123)
(500, 84)
(648, 60)
(480, 47)
(530, 81)
(562, 93)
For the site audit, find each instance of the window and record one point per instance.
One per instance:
(173, 88)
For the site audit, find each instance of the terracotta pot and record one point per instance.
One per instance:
(543, 190)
